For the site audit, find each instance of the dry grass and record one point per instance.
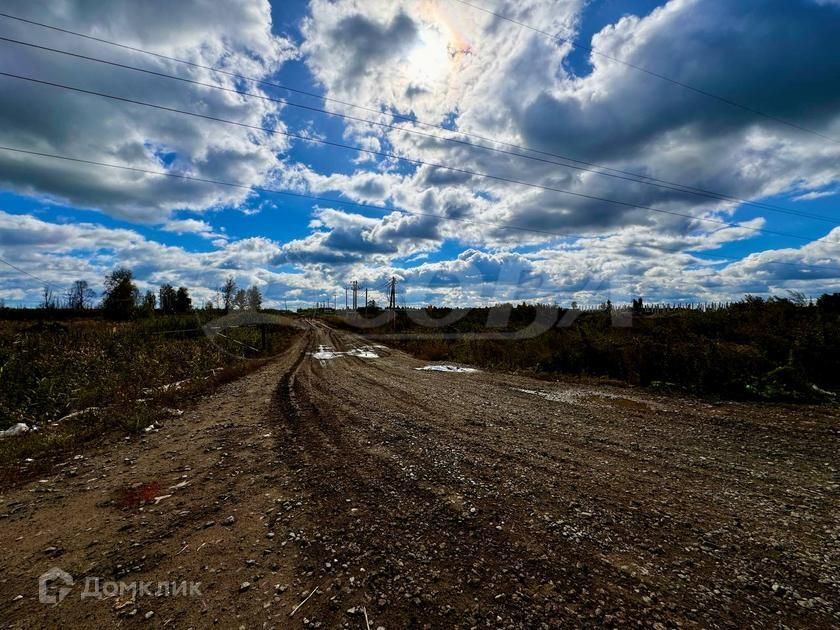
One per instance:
(49, 370)
(755, 349)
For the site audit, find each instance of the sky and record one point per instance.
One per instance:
(461, 131)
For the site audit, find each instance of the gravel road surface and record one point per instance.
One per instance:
(360, 491)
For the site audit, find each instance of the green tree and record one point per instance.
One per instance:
(829, 302)
(168, 295)
(120, 297)
(149, 303)
(183, 302)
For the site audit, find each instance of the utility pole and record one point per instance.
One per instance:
(392, 293)
(366, 301)
(355, 288)
(345, 298)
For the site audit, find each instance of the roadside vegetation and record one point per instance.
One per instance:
(770, 349)
(70, 373)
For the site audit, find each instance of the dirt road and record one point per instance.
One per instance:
(367, 491)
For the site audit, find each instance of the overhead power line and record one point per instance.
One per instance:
(394, 156)
(276, 191)
(48, 286)
(263, 189)
(23, 271)
(592, 166)
(682, 84)
(634, 179)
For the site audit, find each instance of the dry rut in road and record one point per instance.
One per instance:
(439, 499)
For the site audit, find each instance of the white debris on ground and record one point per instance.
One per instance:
(580, 397)
(363, 353)
(16, 429)
(447, 368)
(165, 388)
(325, 353)
(583, 397)
(75, 414)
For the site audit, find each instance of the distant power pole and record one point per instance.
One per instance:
(392, 293)
(366, 300)
(345, 298)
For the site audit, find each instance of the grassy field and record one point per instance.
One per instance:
(755, 349)
(77, 380)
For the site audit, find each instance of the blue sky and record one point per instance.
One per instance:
(447, 65)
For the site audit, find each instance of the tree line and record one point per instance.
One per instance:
(122, 300)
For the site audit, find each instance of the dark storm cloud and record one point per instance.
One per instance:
(773, 55)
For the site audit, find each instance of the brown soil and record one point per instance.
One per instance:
(439, 499)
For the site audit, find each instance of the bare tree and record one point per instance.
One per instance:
(80, 296)
(240, 299)
(228, 291)
(254, 298)
(48, 299)
(797, 297)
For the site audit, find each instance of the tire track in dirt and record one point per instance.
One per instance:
(495, 542)
(443, 500)
(388, 432)
(591, 448)
(454, 553)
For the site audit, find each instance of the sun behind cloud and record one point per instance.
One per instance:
(440, 45)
